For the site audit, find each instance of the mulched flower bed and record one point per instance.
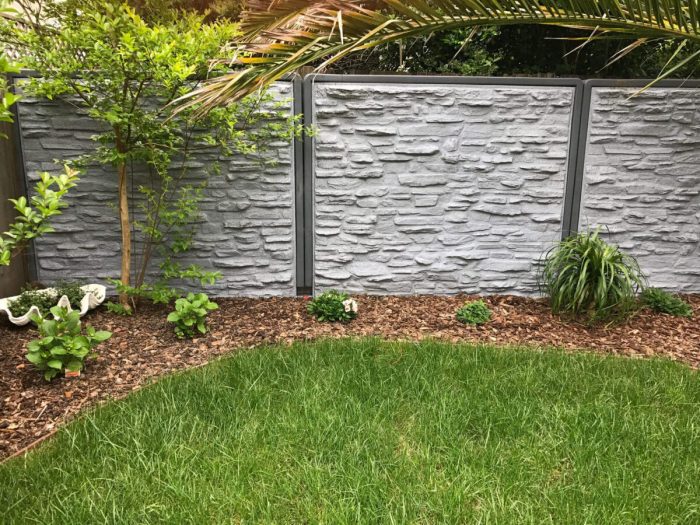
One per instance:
(143, 346)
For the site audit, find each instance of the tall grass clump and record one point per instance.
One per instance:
(588, 278)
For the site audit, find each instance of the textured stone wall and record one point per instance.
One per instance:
(247, 226)
(437, 188)
(642, 179)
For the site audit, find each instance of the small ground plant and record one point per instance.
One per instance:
(118, 309)
(63, 344)
(333, 306)
(667, 303)
(190, 315)
(46, 299)
(474, 312)
(584, 276)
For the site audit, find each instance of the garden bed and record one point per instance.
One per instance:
(144, 346)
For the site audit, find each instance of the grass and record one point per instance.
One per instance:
(369, 432)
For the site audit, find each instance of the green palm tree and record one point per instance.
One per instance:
(283, 35)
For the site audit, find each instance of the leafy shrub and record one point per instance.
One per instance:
(333, 306)
(474, 312)
(666, 303)
(34, 216)
(191, 314)
(45, 299)
(63, 344)
(118, 309)
(585, 276)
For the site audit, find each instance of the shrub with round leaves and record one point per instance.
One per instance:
(474, 312)
(333, 306)
(63, 344)
(190, 315)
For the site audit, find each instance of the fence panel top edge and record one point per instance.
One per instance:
(436, 79)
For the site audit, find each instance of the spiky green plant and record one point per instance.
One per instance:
(586, 277)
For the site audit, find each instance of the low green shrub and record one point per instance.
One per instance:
(45, 299)
(586, 277)
(666, 303)
(190, 314)
(118, 309)
(474, 312)
(333, 306)
(63, 344)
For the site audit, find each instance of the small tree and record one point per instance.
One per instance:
(7, 98)
(103, 57)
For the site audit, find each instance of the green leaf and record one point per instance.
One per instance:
(102, 335)
(74, 365)
(55, 363)
(34, 358)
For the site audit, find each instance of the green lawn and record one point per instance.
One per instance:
(371, 432)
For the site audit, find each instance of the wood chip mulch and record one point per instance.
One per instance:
(143, 346)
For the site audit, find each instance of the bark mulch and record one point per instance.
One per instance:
(143, 346)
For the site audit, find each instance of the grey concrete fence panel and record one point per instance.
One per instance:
(413, 185)
(641, 180)
(438, 187)
(247, 228)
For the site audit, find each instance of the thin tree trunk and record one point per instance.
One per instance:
(125, 223)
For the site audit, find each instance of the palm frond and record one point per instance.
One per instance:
(283, 35)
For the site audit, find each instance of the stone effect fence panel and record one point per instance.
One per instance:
(414, 187)
(437, 188)
(642, 179)
(247, 226)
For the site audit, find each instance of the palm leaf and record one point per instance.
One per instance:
(283, 35)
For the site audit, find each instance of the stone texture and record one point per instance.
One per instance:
(247, 228)
(642, 179)
(437, 188)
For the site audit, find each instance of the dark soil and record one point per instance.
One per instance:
(143, 346)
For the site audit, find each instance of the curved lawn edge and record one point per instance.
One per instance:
(300, 415)
(321, 340)
(232, 353)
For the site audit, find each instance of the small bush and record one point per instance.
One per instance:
(585, 276)
(190, 314)
(474, 312)
(666, 303)
(63, 344)
(118, 309)
(45, 299)
(333, 306)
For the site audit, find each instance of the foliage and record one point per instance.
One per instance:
(284, 35)
(45, 299)
(333, 306)
(474, 312)
(169, 9)
(666, 303)
(118, 309)
(34, 216)
(125, 71)
(585, 276)
(459, 52)
(525, 50)
(191, 314)
(63, 345)
(7, 98)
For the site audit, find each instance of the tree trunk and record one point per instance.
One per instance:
(126, 233)
(125, 223)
